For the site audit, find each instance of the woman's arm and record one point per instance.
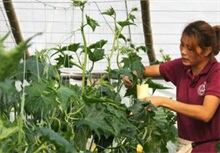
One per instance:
(152, 71)
(203, 112)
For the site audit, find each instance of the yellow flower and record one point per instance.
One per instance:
(93, 148)
(139, 148)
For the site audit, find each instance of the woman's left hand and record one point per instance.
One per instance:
(155, 100)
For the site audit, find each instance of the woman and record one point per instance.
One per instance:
(197, 78)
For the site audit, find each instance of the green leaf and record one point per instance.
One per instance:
(47, 134)
(125, 23)
(40, 100)
(107, 120)
(142, 48)
(131, 92)
(11, 59)
(117, 73)
(64, 93)
(65, 60)
(72, 47)
(134, 9)
(95, 51)
(109, 92)
(96, 55)
(98, 44)
(139, 112)
(124, 50)
(79, 3)
(95, 119)
(122, 37)
(36, 70)
(218, 146)
(133, 62)
(7, 86)
(131, 17)
(91, 22)
(7, 131)
(91, 99)
(2, 39)
(110, 12)
(155, 86)
(120, 123)
(9, 98)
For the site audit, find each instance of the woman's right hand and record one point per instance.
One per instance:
(127, 82)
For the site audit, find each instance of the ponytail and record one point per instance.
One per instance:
(217, 46)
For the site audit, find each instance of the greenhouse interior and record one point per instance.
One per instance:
(63, 70)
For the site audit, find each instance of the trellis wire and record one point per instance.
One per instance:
(165, 35)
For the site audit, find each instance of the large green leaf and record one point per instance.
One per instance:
(7, 86)
(9, 97)
(64, 94)
(37, 70)
(120, 123)
(133, 62)
(40, 100)
(104, 116)
(69, 95)
(11, 59)
(62, 145)
(96, 119)
(138, 112)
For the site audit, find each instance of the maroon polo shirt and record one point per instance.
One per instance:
(192, 91)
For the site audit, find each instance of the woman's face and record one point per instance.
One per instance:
(191, 56)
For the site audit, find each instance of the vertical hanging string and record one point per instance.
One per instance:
(71, 27)
(51, 32)
(33, 22)
(129, 28)
(22, 114)
(52, 22)
(45, 25)
(33, 17)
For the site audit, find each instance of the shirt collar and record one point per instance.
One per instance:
(208, 66)
(205, 69)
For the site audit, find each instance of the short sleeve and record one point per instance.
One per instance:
(213, 81)
(171, 70)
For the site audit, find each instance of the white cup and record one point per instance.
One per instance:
(142, 90)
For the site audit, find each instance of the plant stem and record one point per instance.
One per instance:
(145, 134)
(20, 123)
(90, 73)
(85, 51)
(21, 117)
(114, 47)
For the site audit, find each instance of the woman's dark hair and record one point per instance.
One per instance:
(204, 35)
